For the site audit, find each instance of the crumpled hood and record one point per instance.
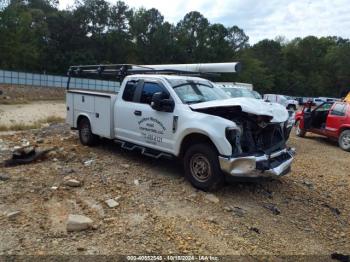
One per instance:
(249, 105)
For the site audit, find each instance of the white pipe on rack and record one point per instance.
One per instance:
(200, 68)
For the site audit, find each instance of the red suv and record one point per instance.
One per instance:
(328, 119)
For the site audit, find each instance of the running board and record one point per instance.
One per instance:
(144, 150)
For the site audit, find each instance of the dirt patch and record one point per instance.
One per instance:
(16, 94)
(159, 212)
(31, 113)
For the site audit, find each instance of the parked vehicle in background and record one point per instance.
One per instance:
(317, 101)
(290, 104)
(328, 119)
(303, 100)
(184, 117)
(240, 92)
(236, 89)
(329, 99)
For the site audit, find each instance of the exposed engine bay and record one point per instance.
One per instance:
(257, 133)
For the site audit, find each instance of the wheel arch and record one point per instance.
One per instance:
(81, 117)
(343, 128)
(194, 138)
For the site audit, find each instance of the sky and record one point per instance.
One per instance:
(260, 19)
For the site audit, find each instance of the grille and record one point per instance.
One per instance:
(265, 140)
(270, 138)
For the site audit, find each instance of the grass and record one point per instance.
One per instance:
(19, 94)
(35, 125)
(13, 102)
(26, 101)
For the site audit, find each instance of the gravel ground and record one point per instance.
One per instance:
(304, 213)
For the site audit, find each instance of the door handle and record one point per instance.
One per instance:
(137, 113)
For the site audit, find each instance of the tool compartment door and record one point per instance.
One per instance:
(83, 102)
(69, 109)
(102, 116)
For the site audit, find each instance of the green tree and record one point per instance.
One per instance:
(192, 38)
(219, 49)
(23, 32)
(237, 38)
(338, 65)
(152, 36)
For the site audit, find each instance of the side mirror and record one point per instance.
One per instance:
(162, 102)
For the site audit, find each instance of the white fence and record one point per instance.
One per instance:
(43, 80)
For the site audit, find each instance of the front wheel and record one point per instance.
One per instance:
(344, 140)
(298, 130)
(202, 167)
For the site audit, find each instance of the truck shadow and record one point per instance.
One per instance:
(173, 168)
(168, 167)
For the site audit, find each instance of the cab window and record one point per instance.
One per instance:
(148, 90)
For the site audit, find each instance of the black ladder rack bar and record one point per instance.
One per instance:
(120, 71)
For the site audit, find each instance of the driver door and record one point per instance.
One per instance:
(318, 118)
(155, 127)
(307, 118)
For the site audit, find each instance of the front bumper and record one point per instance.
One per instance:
(276, 164)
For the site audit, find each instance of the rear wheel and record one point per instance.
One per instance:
(298, 130)
(86, 136)
(202, 167)
(344, 140)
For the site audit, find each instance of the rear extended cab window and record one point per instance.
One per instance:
(338, 109)
(129, 91)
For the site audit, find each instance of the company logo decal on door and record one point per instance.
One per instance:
(152, 130)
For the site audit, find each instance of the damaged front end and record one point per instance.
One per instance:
(258, 144)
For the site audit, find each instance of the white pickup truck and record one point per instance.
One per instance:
(290, 104)
(188, 118)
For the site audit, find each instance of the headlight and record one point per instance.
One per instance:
(233, 135)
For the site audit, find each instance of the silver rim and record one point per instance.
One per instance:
(200, 167)
(346, 140)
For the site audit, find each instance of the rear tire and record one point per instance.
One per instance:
(298, 131)
(202, 167)
(87, 138)
(344, 140)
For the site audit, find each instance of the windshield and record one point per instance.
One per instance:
(239, 92)
(191, 92)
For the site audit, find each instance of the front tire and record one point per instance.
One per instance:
(87, 138)
(344, 140)
(202, 167)
(298, 131)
